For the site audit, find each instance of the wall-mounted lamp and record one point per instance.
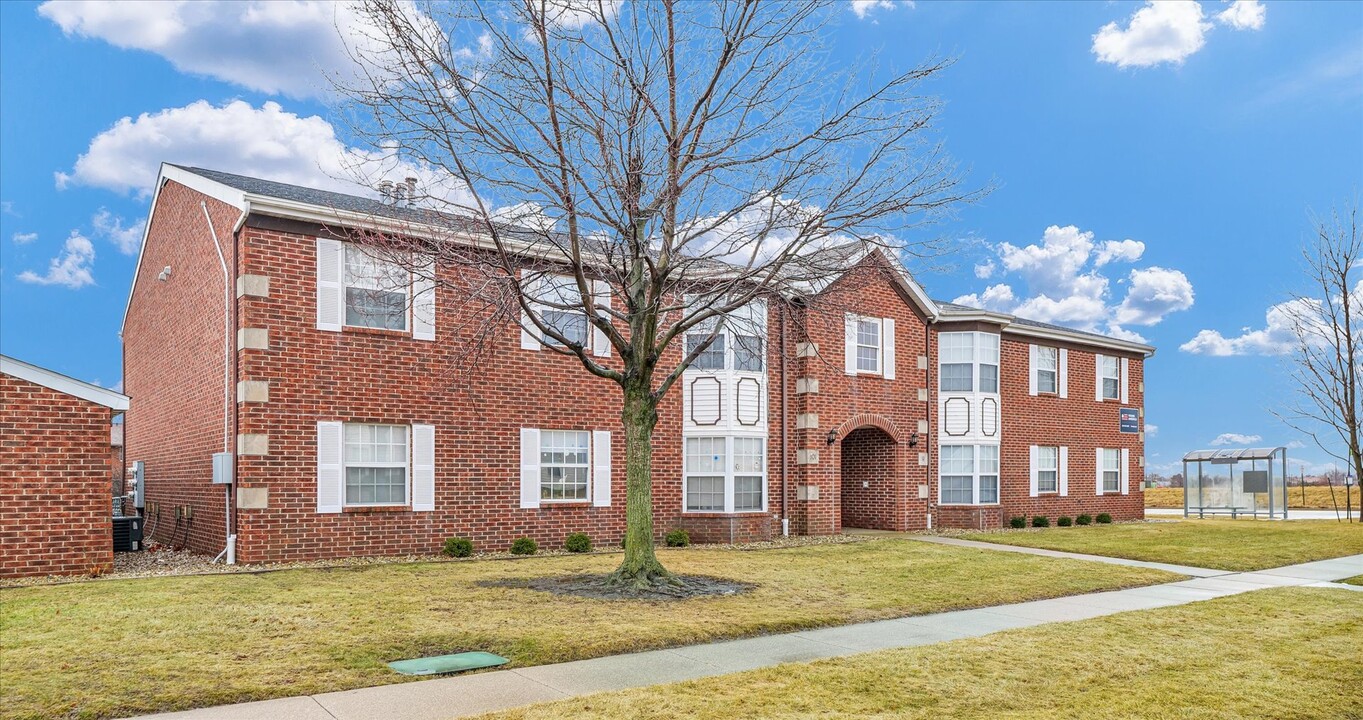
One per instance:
(165, 274)
(832, 436)
(913, 440)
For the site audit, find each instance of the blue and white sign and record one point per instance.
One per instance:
(1130, 420)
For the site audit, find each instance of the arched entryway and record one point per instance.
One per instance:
(870, 476)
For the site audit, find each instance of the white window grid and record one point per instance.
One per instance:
(968, 361)
(376, 291)
(725, 474)
(374, 455)
(968, 475)
(1048, 469)
(868, 345)
(1047, 369)
(1112, 470)
(1112, 377)
(559, 308)
(565, 465)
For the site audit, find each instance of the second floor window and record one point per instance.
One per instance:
(1047, 370)
(969, 361)
(561, 310)
(868, 345)
(1111, 376)
(739, 340)
(375, 291)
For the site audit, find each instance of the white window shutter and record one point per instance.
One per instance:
(530, 468)
(601, 295)
(601, 468)
(1035, 486)
(1063, 380)
(330, 483)
(1123, 381)
(887, 339)
(1098, 470)
(1098, 378)
(1062, 475)
(1031, 373)
(423, 467)
(423, 302)
(1126, 462)
(850, 344)
(529, 335)
(330, 284)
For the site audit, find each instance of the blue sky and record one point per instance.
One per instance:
(1154, 165)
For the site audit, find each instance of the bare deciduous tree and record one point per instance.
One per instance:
(691, 157)
(1328, 324)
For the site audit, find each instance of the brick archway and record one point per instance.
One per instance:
(867, 420)
(870, 474)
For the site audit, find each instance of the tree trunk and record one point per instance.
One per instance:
(640, 568)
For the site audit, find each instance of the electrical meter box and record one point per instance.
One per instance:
(222, 468)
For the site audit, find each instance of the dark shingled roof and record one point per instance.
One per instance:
(313, 196)
(949, 308)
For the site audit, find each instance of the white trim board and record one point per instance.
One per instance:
(63, 384)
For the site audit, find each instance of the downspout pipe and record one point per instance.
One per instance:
(785, 452)
(231, 550)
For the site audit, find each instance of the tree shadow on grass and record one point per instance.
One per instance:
(597, 587)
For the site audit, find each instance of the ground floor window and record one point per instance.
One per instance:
(1112, 470)
(725, 474)
(1047, 469)
(968, 475)
(375, 464)
(563, 464)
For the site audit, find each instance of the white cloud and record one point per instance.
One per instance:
(1294, 445)
(985, 270)
(7, 208)
(71, 268)
(287, 48)
(1277, 337)
(1119, 251)
(1243, 15)
(264, 142)
(1065, 284)
(1235, 439)
(1167, 31)
(110, 226)
(23, 238)
(1151, 430)
(864, 8)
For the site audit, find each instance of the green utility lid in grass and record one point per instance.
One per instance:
(441, 664)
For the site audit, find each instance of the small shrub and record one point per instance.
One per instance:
(1084, 519)
(1064, 521)
(1104, 519)
(677, 538)
(578, 543)
(1018, 523)
(457, 547)
(524, 546)
(1041, 521)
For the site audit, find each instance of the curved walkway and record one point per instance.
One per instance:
(465, 695)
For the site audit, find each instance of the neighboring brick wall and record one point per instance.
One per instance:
(55, 503)
(173, 368)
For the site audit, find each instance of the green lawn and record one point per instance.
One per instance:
(107, 648)
(1355, 580)
(1219, 544)
(1284, 653)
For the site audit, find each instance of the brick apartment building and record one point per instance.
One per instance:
(906, 413)
(56, 478)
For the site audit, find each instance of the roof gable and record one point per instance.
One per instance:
(63, 384)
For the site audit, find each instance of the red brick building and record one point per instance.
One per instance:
(242, 335)
(56, 484)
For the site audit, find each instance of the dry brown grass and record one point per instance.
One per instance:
(1285, 653)
(1310, 498)
(1220, 544)
(121, 647)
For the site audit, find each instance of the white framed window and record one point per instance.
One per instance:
(868, 345)
(564, 465)
(1047, 369)
(712, 357)
(725, 474)
(749, 355)
(1112, 470)
(968, 475)
(1047, 469)
(739, 339)
(968, 361)
(376, 464)
(1110, 375)
(376, 291)
(561, 310)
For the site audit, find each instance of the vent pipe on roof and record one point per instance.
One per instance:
(386, 189)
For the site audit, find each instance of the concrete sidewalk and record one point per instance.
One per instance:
(465, 695)
(961, 542)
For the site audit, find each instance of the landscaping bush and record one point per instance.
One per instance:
(1104, 519)
(1064, 521)
(1018, 522)
(524, 546)
(1084, 519)
(457, 547)
(1040, 521)
(677, 538)
(578, 543)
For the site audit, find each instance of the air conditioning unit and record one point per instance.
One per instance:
(127, 534)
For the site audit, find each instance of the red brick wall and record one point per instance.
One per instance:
(173, 368)
(55, 486)
(870, 479)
